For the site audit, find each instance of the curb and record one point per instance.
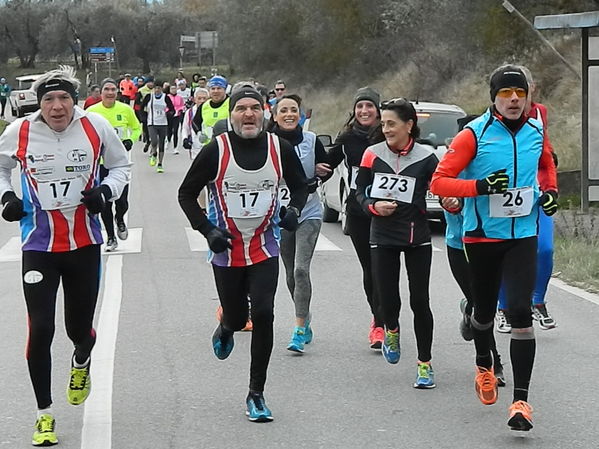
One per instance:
(591, 297)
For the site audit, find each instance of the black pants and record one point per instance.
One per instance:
(79, 271)
(121, 207)
(3, 103)
(259, 283)
(386, 264)
(142, 116)
(358, 227)
(172, 132)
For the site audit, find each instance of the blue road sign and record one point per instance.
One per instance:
(101, 49)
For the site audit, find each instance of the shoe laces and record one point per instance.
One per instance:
(485, 379)
(521, 407)
(258, 401)
(45, 424)
(78, 378)
(424, 370)
(392, 340)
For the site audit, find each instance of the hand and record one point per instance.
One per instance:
(203, 137)
(548, 202)
(289, 216)
(95, 198)
(128, 144)
(385, 208)
(496, 182)
(312, 184)
(323, 169)
(451, 204)
(218, 240)
(13, 207)
(187, 143)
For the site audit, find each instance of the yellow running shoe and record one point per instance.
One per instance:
(152, 161)
(44, 434)
(80, 385)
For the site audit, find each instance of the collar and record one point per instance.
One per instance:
(405, 150)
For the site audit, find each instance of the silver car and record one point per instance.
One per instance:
(438, 123)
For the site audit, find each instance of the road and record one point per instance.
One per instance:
(158, 385)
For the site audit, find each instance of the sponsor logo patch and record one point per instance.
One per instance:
(77, 168)
(33, 277)
(40, 157)
(77, 155)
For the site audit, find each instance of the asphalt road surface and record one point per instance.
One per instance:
(157, 384)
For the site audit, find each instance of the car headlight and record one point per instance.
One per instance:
(21, 96)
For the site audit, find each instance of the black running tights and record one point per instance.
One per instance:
(386, 264)
(79, 271)
(259, 283)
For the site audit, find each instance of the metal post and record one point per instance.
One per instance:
(96, 72)
(584, 171)
(214, 48)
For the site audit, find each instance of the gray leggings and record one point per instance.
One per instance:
(297, 249)
(157, 138)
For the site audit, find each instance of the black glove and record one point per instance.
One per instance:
(187, 143)
(289, 216)
(128, 144)
(95, 198)
(312, 184)
(12, 207)
(548, 201)
(554, 156)
(496, 182)
(218, 240)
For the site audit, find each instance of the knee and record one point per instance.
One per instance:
(264, 313)
(519, 318)
(302, 275)
(524, 333)
(41, 332)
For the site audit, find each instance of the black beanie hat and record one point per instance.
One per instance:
(368, 93)
(507, 76)
(245, 92)
(106, 81)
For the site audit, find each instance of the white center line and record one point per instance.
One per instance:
(97, 417)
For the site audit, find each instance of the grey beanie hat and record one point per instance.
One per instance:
(368, 93)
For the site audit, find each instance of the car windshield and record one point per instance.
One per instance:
(25, 84)
(437, 127)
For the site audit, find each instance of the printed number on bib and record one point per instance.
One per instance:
(60, 194)
(511, 204)
(248, 203)
(393, 187)
(354, 175)
(284, 195)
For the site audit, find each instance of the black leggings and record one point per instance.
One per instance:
(386, 264)
(259, 283)
(3, 103)
(121, 207)
(172, 132)
(359, 231)
(79, 271)
(142, 116)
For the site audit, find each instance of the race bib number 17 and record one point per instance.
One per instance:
(60, 194)
(248, 203)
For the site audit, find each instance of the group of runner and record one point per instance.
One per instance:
(261, 177)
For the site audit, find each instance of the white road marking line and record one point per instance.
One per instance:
(436, 250)
(590, 297)
(197, 242)
(97, 417)
(11, 251)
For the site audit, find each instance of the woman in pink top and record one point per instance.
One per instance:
(174, 118)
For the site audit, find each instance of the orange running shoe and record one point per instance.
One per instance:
(520, 416)
(249, 326)
(219, 314)
(485, 384)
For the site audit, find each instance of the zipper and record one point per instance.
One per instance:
(411, 232)
(515, 178)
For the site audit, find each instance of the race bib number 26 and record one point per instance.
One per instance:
(511, 204)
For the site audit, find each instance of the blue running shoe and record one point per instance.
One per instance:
(257, 411)
(425, 378)
(309, 335)
(298, 339)
(391, 350)
(222, 342)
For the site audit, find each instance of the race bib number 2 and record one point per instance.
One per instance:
(511, 204)
(248, 203)
(284, 195)
(393, 187)
(60, 194)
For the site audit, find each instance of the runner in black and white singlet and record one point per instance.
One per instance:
(242, 170)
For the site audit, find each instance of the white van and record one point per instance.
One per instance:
(22, 98)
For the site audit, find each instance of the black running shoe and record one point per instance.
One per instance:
(498, 369)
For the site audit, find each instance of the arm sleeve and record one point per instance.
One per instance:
(115, 156)
(294, 176)
(169, 104)
(363, 181)
(146, 100)
(198, 120)
(456, 159)
(203, 169)
(547, 175)
(134, 125)
(186, 125)
(8, 148)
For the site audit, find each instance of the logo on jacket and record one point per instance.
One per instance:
(77, 155)
(40, 157)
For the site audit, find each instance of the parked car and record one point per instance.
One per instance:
(438, 124)
(22, 98)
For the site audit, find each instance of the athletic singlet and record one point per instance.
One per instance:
(244, 202)
(157, 110)
(52, 179)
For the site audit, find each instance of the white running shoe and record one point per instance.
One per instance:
(501, 323)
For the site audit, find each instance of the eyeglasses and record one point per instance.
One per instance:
(507, 92)
(394, 101)
(279, 89)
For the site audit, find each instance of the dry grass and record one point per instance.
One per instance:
(578, 262)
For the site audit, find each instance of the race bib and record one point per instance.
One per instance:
(284, 195)
(511, 204)
(159, 112)
(248, 203)
(393, 187)
(60, 194)
(354, 175)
